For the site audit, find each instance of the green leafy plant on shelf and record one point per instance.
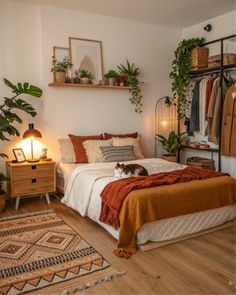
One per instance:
(85, 74)
(9, 116)
(132, 73)
(112, 74)
(172, 143)
(60, 66)
(180, 73)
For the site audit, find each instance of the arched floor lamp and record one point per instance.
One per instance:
(165, 117)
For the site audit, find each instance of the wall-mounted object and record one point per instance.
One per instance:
(208, 28)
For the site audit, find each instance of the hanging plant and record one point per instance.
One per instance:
(180, 73)
(132, 73)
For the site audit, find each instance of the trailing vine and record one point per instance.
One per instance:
(132, 80)
(181, 67)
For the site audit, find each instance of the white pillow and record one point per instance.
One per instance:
(92, 148)
(67, 150)
(117, 141)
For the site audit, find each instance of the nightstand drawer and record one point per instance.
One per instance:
(32, 171)
(33, 186)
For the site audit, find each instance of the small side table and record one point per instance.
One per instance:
(30, 179)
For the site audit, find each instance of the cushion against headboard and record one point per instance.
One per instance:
(77, 142)
(118, 153)
(67, 150)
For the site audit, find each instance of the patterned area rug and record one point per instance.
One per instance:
(40, 253)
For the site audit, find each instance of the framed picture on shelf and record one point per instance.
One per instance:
(61, 52)
(19, 155)
(86, 55)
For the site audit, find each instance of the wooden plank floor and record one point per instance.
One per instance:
(202, 266)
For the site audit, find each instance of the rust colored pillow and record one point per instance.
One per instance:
(77, 142)
(109, 135)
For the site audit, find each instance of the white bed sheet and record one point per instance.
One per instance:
(160, 230)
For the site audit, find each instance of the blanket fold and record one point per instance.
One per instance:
(129, 203)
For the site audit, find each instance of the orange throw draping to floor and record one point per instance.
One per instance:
(131, 202)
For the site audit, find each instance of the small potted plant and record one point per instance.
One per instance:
(59, 69)
(112, 77)
(171, 144)
(3, 178)
(131, 74)
(85, 77)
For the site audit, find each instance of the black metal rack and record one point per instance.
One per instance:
(220, 70)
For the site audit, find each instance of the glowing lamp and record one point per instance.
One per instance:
(31, 134)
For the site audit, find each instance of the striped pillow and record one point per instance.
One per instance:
(118, 153)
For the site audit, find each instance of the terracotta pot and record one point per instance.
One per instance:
(84, 80)
(170, 158)
(60, 77)
(2, 202)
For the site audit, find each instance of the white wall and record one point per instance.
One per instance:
(20, 55)
(224, 25)
(31, 31)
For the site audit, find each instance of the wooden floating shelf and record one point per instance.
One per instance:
(87, 86)
(213, 150)
(212, 69)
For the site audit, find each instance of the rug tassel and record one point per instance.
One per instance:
(93, 283)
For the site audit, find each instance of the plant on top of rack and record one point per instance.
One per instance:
(180, 75)
(8, 116)
(132, 73)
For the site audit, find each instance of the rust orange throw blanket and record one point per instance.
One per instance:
(129, 203)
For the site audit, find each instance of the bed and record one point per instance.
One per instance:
(83, 184)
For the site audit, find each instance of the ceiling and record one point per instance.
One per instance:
(171, 13)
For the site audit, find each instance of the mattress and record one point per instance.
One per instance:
(161, 230)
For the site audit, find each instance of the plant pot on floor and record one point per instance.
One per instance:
(2, 202)
(170, 158)
(60, 77)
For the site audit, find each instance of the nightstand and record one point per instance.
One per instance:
(30, 179)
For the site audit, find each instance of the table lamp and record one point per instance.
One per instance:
(31, 134)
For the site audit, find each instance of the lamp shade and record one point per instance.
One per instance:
(31, 132)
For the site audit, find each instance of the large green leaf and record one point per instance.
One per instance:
(24, 88)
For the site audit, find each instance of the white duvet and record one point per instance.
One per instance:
(90, 179)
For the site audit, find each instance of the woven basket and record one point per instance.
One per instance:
(201, 163)
(199, 57)
(229, 59)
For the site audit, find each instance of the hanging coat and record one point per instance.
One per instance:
(228, 138)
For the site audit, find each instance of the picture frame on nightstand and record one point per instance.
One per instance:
(19, 155)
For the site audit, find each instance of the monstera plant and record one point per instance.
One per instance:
(9, 116)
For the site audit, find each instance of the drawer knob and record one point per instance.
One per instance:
(34, 180)
(34, 167)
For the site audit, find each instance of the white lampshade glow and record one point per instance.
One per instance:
(26, 146)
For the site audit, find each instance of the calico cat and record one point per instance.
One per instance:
(123, 171)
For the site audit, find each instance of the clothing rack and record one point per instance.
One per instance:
(219, 70)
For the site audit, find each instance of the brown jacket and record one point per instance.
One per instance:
(228, 139)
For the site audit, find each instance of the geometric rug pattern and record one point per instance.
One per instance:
(41, 253)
